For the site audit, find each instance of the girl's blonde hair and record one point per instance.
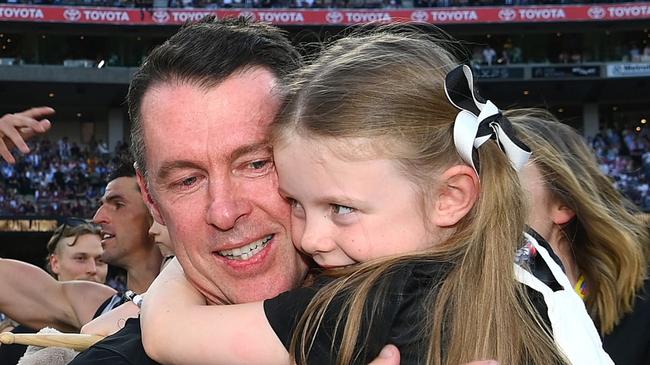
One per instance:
(609, 238)
(387, 86)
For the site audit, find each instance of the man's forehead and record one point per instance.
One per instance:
(189, 122)
(122, 186)
(83, 244)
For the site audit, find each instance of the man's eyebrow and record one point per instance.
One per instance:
(112, 198)
(168, 167)
(255, 147)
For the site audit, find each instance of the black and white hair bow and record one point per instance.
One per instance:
(479, 120)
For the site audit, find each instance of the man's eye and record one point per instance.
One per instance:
(189, 181)
(342, 209)
(256, 165)
(254, 168)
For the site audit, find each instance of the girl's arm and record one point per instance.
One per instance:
(179, 328)
(114, 320)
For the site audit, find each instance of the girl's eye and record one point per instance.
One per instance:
(296, 208)
(342, 209)
(294, 203)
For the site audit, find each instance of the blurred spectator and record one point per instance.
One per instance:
(624, 156)
(635, 53)
(63, 181)
(489, 55)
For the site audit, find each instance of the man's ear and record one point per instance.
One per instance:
(148, 200)
(560, 213)
(54, 264)
(455, 196)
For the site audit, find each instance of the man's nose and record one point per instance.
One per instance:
(228, 203)
(91, 267)
(100, 216)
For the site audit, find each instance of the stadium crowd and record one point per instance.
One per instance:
(67, 179)
(236, 236)
(57, 179)
(625, 156)
(301, 3)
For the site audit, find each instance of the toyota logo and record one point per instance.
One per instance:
(334, 17)
(72, 15)
(419, 16)
(596, 12)
(507, 14)
(160, 16)
(247, 14)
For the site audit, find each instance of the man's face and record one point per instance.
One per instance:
(81, 261)
(125, 221)
(212, 182)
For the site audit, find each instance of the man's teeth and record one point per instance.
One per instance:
(246, 252)
(106, 236)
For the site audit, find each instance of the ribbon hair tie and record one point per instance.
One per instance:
(480, 120)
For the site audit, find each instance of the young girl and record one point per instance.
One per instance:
(412, 210)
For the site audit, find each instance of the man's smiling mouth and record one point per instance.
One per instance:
(248, 251)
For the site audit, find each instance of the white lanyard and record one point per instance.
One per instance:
(573, 330)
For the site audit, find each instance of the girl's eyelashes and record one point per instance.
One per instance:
(336, 209)
(342, 209)
(296, 208)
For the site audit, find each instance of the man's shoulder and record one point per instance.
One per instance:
(123, 347)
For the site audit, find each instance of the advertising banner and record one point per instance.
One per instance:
(342, 17)
(561, 72)
(628, 69)
(499, 72)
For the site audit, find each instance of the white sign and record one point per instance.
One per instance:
(628, 69)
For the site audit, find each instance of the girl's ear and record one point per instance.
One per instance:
(455, 196)
(560, 213)
(148, 200)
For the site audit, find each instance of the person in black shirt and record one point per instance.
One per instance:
(599, 235)
(247, 191)
(416, 239)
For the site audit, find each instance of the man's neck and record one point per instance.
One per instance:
(143, 271)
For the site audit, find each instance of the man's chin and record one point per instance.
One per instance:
(276, 268)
